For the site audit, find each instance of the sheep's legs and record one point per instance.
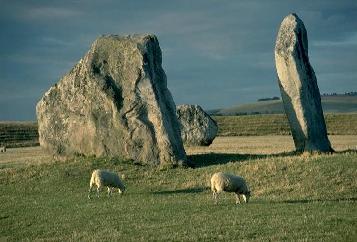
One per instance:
(237, 198)
(98, 190)
(89, 191)
(109, 191)
(215, 197)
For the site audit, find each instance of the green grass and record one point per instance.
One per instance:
(305, 197)
(277, 124)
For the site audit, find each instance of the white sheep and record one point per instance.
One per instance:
(2, 149)
(230, 183)
(102, 178)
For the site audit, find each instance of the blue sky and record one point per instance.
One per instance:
(216, 53)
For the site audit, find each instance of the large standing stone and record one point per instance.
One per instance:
(197, 127)
(298, 87)
(114, 102)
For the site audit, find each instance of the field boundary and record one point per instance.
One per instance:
(24, 134)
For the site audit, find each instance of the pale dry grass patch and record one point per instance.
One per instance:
(246, 145)
(271, 144)
(24, 156)
(343, 142)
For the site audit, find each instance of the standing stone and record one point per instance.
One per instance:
(298, 87)
(114, 102)
(197, 127)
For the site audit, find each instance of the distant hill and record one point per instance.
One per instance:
(330, 104)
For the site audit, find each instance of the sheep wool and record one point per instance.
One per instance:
(102, 178)
(230, 183)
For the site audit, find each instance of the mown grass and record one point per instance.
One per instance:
(277, 124)
(295, 197)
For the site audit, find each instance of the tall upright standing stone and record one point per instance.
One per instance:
(114, 102)
(298, 87)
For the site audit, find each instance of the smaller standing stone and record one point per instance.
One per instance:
(197, 127)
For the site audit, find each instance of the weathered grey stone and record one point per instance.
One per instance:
(197, 127)
(114, 102)
(298, 86)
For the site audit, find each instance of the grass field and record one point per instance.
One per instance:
(295, 197)
(18, 134)
(277, 124)
(22, 134)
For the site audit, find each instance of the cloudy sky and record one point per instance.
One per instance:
(216, 53)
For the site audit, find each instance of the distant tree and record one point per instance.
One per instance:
(268, 99)
(351, 93)
(337, 94)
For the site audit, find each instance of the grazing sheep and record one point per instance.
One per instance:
(2, 149)
(109, 179)
(230, 183)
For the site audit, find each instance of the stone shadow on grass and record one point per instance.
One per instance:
(202, 160)
(178, 191)
(353, 151)
(352, 199)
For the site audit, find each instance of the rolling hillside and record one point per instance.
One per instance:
(330, 104)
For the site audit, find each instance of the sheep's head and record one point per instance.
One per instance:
(122, 190)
